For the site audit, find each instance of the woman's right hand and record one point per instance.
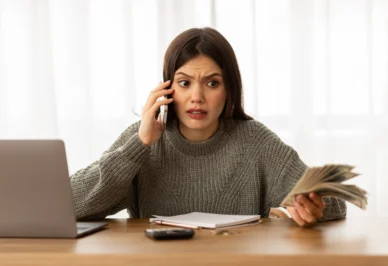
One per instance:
(151, 129)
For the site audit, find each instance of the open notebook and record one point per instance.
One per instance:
(206, 220)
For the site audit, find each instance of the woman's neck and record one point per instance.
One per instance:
(198, 135)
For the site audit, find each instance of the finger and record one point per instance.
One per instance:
(318, 200)
(309, 206)
(156, 106)
(304, 214)
(162, 93)
(161, 86)
(295, 215)
(154, 96)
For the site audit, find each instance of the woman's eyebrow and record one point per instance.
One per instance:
(206, 77)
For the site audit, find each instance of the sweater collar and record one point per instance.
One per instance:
(196, 148)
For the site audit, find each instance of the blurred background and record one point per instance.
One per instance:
(314, 71)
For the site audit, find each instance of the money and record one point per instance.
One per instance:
(326, 181)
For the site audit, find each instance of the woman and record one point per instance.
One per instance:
(211, 157)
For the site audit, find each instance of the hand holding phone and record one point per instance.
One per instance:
(151, 129)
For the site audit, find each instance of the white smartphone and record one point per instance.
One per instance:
(163, 114)
(164, 110)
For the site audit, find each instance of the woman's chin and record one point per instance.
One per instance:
(196, 124)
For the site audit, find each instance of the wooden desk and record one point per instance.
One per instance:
(274, 242)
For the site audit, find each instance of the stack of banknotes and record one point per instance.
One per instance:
(326, 181)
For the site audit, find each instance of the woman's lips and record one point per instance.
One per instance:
(197, 113)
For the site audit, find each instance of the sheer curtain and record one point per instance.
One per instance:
(314, 71)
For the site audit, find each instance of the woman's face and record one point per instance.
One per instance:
(199, 96)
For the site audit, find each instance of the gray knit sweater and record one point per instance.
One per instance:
(243, 169)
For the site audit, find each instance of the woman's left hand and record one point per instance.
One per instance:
(307, 209)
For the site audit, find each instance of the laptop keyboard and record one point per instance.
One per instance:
(81, 229)
(86, 227)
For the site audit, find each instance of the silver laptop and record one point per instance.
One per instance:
(35, 192)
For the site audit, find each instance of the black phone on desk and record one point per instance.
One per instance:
(169, 233)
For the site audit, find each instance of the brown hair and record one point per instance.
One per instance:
(209, 42)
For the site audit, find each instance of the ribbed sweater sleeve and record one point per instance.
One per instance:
(103, 186)
(285, 169)
(335, 209)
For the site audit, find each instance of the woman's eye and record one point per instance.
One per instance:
(184, 83)
(213, 84)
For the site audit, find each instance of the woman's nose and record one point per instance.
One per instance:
(197, 94)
